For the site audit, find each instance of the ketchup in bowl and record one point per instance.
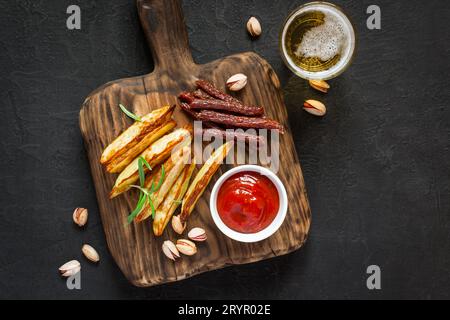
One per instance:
(248, 202)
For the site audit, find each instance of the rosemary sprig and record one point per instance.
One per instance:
(138, 208)
(129, 113)
(145, 193)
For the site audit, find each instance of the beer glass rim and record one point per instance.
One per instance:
(318, 75)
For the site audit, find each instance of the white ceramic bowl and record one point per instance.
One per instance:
(271, 228)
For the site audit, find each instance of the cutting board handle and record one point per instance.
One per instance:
(165, 30)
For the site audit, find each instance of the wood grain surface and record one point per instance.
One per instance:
(134, 247)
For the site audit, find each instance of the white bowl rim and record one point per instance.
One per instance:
(272, 227)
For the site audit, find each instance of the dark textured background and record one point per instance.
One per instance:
(376, 166)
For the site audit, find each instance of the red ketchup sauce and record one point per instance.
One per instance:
(247, 202)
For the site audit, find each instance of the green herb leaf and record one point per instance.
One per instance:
(152, 206)
(177, 201)
(141, 172)
(146, 163)
(145, 194)
(140, 204)
(129, 113)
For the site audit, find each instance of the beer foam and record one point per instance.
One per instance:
(324, 41)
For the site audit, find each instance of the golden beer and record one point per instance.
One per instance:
(317, 41)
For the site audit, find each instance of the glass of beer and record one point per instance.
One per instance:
(317, 41)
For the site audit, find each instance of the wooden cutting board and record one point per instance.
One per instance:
(134, 247)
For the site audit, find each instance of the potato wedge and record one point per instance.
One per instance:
(202, 179)
(136, 133)
(174, 165)
(117, 164)
(155, 154)
(172, 200)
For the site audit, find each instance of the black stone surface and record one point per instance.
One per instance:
(376, 166)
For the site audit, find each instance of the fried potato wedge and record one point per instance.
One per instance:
(155, 154)
(174, 165)
(136, 133)
(202, 179)
(117, 164)
(172, 200)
